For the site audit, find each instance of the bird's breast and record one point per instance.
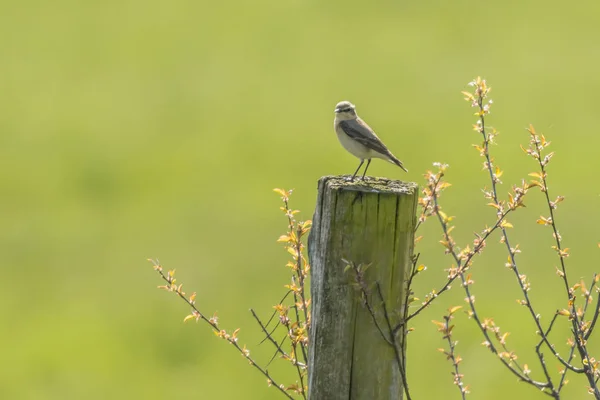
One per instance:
(352, 146)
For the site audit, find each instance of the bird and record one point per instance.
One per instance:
(359, 139)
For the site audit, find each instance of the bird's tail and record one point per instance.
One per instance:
(397, 162)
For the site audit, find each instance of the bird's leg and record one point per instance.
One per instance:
(367, 167)
(359, 165)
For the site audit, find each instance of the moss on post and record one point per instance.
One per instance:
(367, 223)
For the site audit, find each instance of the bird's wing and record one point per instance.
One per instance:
(358, 130)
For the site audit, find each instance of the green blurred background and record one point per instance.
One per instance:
(136, 129)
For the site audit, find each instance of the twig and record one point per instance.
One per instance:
(300, 271)
(394, 343)
(362, 285)
(537, 144)
(482, 327)
(273, 316)
(460, 265)
(480, 95)
(269, 337)
(232, 339)
(446, 330)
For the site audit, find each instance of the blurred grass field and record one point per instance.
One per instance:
(136, 129)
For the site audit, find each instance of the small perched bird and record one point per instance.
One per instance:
(358, 138)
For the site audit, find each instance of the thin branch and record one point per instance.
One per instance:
(280, 344)
(446, 329)
(594, 318)
(578, 335)
(297, 246)
(413, 273)
(511, 252)
(470, 301)
(362, 285)
(394, 341)
(540, 355)
(304, 355)
(268, 335)
(273, 316)
(466, 264)
(589, 332)
(481, 93)
(230, 338)
(426, 206)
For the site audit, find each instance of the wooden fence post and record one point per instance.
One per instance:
(367, 223)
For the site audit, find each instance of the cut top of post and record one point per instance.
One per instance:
(369, 184)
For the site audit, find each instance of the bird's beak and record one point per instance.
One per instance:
(337, 110)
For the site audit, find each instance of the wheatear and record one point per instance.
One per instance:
(358, 138)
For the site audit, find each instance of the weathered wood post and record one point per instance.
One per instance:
(369, 222)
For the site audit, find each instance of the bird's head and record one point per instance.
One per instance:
(345, 110)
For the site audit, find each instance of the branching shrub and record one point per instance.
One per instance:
(291, 319)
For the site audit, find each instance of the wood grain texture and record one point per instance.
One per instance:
(370, 222)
